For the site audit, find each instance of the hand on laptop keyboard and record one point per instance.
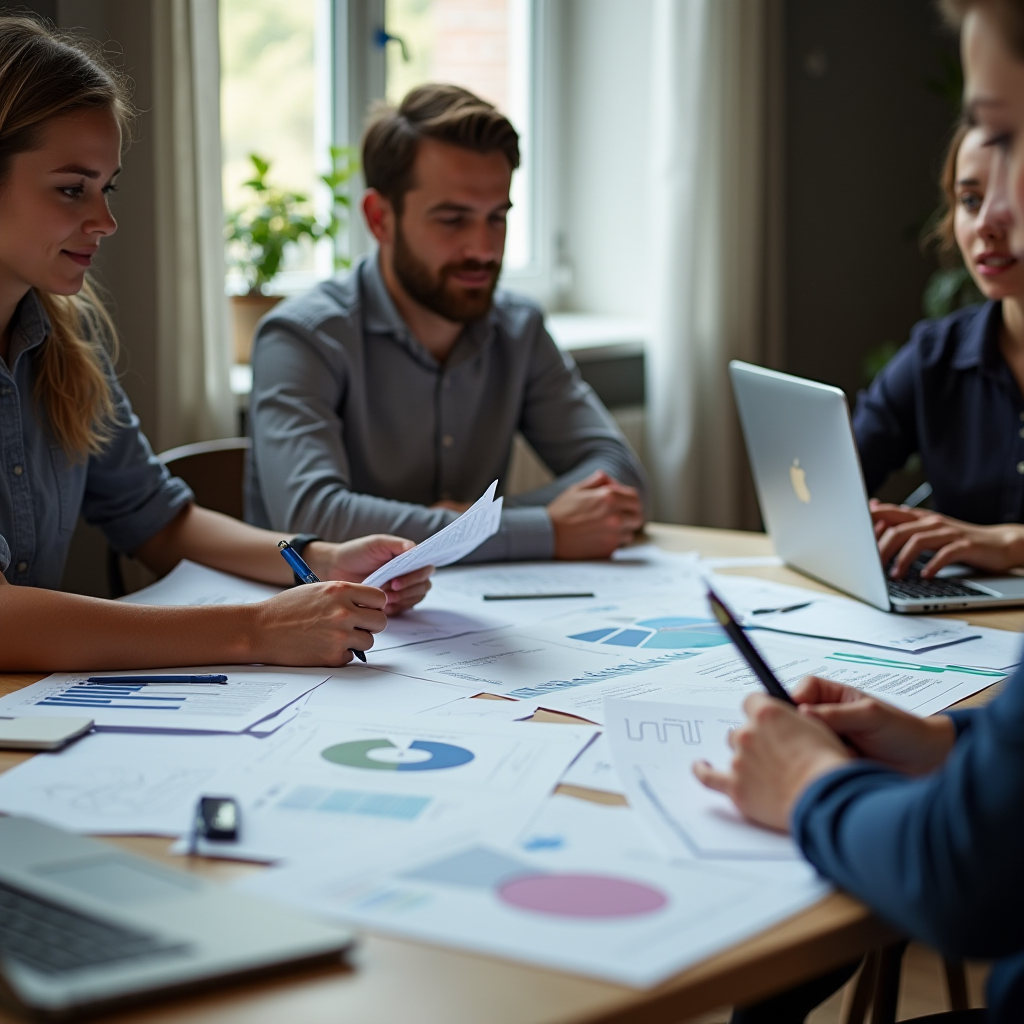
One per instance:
(907, 534)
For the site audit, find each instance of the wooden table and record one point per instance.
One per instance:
(391, 981)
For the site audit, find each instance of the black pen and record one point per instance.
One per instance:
(535, 597)
(306, 575)
(143, 680)
(788, 608)
(750, 655)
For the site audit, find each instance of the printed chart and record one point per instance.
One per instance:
(418, 756)
(672, 633)
(249, 696)
(336, 778)
(581, 890)
(556, 894)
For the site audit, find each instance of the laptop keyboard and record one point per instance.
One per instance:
(913, 588)
(55, 939)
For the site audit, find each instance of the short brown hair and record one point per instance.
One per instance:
(1009, 14)
(445, 113)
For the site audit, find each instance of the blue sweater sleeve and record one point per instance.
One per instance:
(939, 856)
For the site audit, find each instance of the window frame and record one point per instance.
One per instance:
(359, 78)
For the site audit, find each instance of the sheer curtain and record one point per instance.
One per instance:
(194, 392)
(708, 252)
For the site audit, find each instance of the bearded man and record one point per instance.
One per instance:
(387, 399)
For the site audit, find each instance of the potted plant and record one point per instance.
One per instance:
(259, 235)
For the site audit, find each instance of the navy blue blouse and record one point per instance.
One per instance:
(950, 395)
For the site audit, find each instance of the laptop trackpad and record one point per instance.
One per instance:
(1000, 586)
(117, 881)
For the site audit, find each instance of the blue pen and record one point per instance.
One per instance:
(306, 575)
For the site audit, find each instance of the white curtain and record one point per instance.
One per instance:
(194, 393)
(707, 252)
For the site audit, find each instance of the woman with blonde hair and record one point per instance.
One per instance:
(70, 443)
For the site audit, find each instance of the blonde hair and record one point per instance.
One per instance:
(46, 74)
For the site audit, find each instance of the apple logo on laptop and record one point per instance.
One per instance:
(798, 478)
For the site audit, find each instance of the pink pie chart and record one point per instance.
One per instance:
(589, 896)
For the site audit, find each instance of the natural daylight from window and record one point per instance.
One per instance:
(484, 46)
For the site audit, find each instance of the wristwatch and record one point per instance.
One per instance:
(298, 544)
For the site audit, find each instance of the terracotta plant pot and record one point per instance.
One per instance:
(246, 311)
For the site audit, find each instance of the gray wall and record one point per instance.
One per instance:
(863, 144)
(127, 262)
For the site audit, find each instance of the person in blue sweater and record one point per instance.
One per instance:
(925, 823)
(955, 395)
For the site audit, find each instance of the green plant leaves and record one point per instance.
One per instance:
(259, 235)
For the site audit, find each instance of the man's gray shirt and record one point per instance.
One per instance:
(357, 428)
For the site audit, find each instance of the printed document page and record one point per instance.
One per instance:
(249, 696)
(191, 584)
(121, 783)
(455, 541)
(719, 677)
(335, 774)
(582, 889)
(654, 746)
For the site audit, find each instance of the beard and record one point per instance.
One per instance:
(436, 291)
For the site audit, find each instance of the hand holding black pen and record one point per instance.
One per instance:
(734, 631)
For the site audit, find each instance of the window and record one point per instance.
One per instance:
(276, 103)
(298, 75)
(484, 46)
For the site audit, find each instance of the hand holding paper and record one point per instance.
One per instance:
(455, 541)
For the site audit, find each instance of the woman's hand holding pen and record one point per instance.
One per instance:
(878, 730)
(777, 754)
(781, 750)
(354, 560)
(318, 624)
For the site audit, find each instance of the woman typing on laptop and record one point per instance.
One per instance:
(955, 394)
(919, 818)
(70, 443)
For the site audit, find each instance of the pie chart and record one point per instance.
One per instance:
(383, 755)
(592, 896)
(675, 632)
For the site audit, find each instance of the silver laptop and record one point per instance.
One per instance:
(815, 507)
(86, 926)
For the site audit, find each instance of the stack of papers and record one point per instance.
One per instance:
(581, 890)
(390, 796)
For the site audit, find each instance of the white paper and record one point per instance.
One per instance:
(480, 708)
(720, 677)
(635, 572)
(121, 783)
(595, 768)
(840, 618)
(526, 662)
(191, 584)
(583, 891)
(655, 746)
(455, 541)
(743, 562)
(993, 648)
(435, 618)
(359, 688)
(335, 775)
(249, 696)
